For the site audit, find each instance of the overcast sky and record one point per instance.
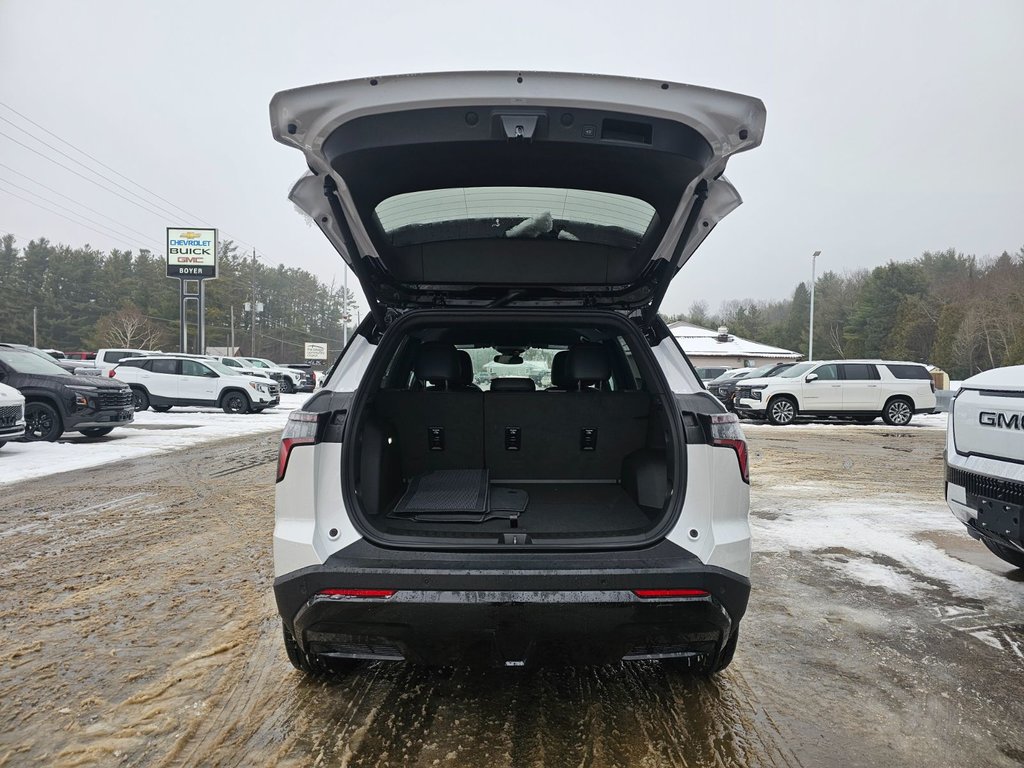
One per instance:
(892, 127)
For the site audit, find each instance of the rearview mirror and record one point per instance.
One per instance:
(811, 377)
(508, 359)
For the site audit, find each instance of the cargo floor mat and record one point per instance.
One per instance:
(458, 496)
(445, 491)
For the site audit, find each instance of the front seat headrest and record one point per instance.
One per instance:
(438, 363)
(588, 364)
(513, 384)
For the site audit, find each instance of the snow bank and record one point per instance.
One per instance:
(150, 433)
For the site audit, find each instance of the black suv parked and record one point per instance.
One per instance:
(57, 401)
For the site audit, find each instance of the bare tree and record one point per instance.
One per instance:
(835, 340)
(128, 327)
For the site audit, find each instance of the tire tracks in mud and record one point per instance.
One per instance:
(139, 628)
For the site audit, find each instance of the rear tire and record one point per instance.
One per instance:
(898, 412)
(1012, 556)
(42, 422)
(235, 402)
(161, 408)
(781, 410)
(96, 431)
(141, 399)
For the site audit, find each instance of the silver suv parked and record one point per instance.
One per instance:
(513, 220)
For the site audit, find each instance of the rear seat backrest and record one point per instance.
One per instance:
(417, 415)
(551, 426)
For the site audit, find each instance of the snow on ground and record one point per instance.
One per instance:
(150, 433)
(882, 541)
(920, 421)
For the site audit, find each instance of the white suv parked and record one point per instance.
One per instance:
(170, 380)
(861, 390)
(513, 217)
(985, 460)
(12, 414)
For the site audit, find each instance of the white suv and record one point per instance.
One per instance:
(12, 414)
(861, 390)
(169, 380)
(985, 460)
(512, 218)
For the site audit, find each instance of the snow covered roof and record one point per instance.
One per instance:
(703, 341)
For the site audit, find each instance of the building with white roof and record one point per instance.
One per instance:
(706, 347)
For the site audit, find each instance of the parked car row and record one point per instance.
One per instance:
(40, 399)
(292, 377)
(164, 381)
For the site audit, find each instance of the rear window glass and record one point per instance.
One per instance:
(160, 365)
(514, 212)
(859, 372)
(908, 371)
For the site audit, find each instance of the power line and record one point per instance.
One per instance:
(100, 162)
(136, 203)
(165, 211)
(62, 153)
(68, 197)
(55, 213)
(103, 165)
(69, 210)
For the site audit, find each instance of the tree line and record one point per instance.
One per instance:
(958, 312)
(84, 299)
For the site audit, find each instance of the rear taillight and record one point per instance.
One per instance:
(726, 431)
(110, 373)
(356, 592)
(303, 428)
(655, 593)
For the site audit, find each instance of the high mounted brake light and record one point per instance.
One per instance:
(303, 428)
(726, 431)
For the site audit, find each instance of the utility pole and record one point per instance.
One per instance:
(810, 336)
(232, 329)
(34, 343)
(252, 317)
(344, 310)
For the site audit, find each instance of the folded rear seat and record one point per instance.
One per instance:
(439, 424)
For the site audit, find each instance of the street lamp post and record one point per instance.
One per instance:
(810, 337)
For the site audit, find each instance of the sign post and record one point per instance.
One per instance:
(192, 258)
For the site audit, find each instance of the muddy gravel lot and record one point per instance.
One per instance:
(138, 628)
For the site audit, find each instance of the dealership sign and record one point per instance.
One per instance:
(316, 351)
(192, 253)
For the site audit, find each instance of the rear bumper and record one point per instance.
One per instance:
(513, 610)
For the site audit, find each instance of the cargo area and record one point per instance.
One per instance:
(574, 447)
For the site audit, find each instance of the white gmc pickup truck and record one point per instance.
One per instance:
(985, 460)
